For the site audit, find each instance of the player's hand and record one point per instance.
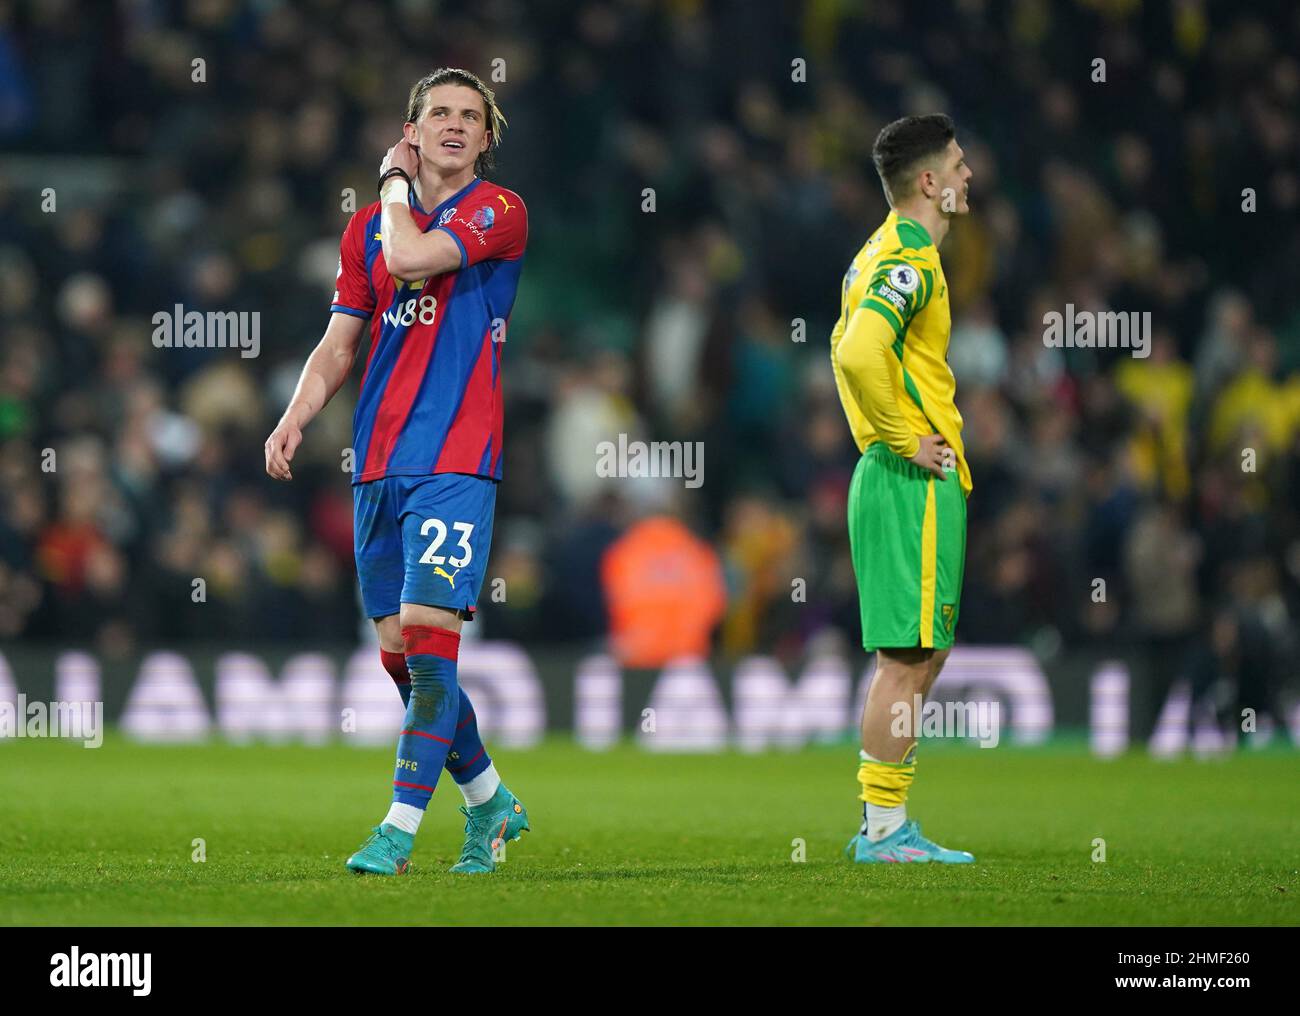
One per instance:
(932, 454)
(403, 156)
(280, 446)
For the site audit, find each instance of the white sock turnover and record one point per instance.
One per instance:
(481, 788)
(405, 816)
(881, 822)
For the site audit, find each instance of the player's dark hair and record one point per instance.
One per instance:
(496, 121)
(903, 144)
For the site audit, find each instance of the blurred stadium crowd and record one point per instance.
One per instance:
(1175, 478)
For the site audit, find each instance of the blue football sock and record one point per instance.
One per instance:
(431, 714)
(395, 664)
(468, 757)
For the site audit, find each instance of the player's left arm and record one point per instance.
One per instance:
(410, 253)
(865, 353)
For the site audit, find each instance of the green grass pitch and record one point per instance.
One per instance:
(104, 836)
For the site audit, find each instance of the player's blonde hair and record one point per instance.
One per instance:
(496, 121)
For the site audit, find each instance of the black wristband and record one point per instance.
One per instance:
(395, 171)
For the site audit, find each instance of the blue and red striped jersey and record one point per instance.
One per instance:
(431, 393)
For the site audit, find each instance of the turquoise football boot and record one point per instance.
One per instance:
(498, 820)
(386, 852)
(905, 845)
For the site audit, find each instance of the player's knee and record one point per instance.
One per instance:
(389, 630)
(932, 672)
(909, 667)
(420, 615)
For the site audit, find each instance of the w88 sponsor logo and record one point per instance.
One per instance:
(424, 310)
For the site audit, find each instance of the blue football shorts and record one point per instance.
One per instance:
(422, 539)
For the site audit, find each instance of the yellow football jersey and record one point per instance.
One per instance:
(892, 375)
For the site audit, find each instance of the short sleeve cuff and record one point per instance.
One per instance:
(339, 308)
(464, 256)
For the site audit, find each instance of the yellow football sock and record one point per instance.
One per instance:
(885, 784)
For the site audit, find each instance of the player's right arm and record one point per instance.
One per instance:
(323, 375)
(865, 354)
(331, 361)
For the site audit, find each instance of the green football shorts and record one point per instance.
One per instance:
(907, 531)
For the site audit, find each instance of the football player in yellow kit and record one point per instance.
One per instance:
(907, 500)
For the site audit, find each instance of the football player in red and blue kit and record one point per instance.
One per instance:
(430, 270)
